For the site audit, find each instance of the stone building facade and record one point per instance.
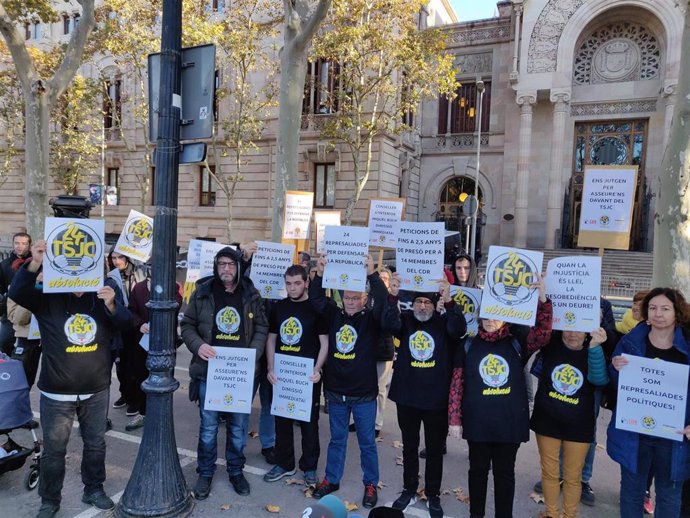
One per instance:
(569, 83)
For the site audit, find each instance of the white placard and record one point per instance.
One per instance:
(608, 195)
(573, 284)
(292, 396)
(230, 380)
(383, 218)
(298, 207)
(268, 268)
(507, 294)
(469, 300)
(136, 239)
(34, 331)
(194, 260)
(74, 255)
(324, 218)
(209, 249)
(145, 342)
(346, 250)
(419, 255)
(652, 396)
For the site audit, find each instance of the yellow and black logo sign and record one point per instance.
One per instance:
(345, 339)
(512, 275)
(228, 320)
(80, 329)
(567, 379)
(291, 331)
(139, 232)
(494, 370)
(74, 248)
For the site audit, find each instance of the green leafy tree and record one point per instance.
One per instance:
(40, 91)
(386, 65)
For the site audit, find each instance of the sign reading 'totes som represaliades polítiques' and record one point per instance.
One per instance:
(74, 255)
(508, 294)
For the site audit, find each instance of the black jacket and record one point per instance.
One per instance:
(6, 276)
(75, 336)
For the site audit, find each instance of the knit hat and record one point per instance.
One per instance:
(433, 297)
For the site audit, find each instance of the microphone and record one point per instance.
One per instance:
(329, 506)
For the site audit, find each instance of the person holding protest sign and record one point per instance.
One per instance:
(664, 338)
(224, 311)
(76, 329)
(563, 418)
(488, 398)
(302, 334)
(464, 273)
(421, 380)
(384, 361)
(350, 381)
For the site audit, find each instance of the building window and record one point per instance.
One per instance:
(464, 110)
(207, 186)
(112, 105)
(27, 31)
(324, 185)
(65, 24)
(112, 185)
(408, 112)
(76, 19)
(36, 30)
(218, 5)
(321, 87)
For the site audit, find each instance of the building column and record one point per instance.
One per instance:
(525, 101)
(517, 10)
(554, 209)
(669, 94)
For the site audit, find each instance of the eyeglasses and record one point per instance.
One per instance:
(353, 299)
(422, 302)
(226, 264)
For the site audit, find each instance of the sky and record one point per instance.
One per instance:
(474, 9)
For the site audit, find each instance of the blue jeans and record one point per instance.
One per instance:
(589, 459)
(237, 426)
(655, 454)
(56, 421)
(364, 415)
(267, 424)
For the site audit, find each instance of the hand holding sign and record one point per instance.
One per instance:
(444, 290)
(38, 250)
(619, 362)
(539, 284)
(369, 263)
(320, 265)
(598, 337)
(394, 286)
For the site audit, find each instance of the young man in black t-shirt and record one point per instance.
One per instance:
(295, 329)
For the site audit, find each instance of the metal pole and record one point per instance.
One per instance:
(473, 232)
(103, 169)
(157, 486)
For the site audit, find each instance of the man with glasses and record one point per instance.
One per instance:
(421, 381)
(350, 377)
(224, 311)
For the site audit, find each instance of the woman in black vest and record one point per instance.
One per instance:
(563, 416)
(488, 392)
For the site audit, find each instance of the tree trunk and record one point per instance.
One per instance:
(293, 73)
(672, 218)
(301, 22)
(37, 160)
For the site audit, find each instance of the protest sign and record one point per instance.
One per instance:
(298, 205)
(574, 286)
(419, 255)
(230, 380)
(268, 268)
(652, 396)
(194, 260)
(144, 342)
(507, 294)
(136, 239)
(346, 251)
(74, 255)
(384, 214)
(324, 218)
(34, 331)
(469, 300)
(292, 396)
(209, 249)
(608, 196)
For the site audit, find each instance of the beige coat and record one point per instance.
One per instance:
(20, 318)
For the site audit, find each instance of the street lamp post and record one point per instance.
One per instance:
(473, 232)
(157, 486)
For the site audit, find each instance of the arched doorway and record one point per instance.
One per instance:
(450, 210)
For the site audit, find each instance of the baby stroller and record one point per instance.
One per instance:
(15, 413)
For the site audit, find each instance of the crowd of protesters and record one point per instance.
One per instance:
(410, 347)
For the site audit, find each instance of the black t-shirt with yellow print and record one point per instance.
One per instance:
(298, 328)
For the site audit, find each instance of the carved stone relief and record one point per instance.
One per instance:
(475, 63)
(543, 44)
